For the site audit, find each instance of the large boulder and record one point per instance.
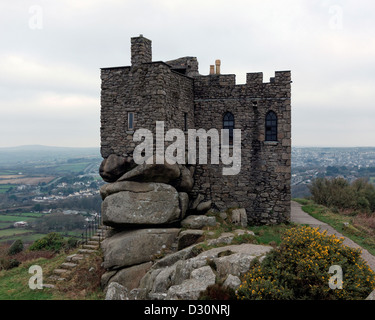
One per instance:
(187, 273)
(190, 289)
(111, 188)
(127, 277)
(239, 217)
(116, 291)
(198, 222)
(186, 181)
(114, 167)
(128, 248)
(164, 173)
(147, 204)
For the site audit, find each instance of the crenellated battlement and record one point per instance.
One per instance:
(223, 86)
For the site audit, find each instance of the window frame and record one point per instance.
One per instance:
(228, 118)
(132, 116)
(271, 126)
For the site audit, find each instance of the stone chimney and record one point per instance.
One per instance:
(212, 69)
(141, 51)
(217, 63)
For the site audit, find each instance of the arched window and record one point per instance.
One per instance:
(271, 126)
(228, 123)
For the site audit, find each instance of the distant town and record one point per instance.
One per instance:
(44, 190)
(311, 163)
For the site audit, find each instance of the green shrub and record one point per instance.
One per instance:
(52, 242)
(16, 247)
(71, 243)
(7, 264)
(299, 269)
(217, 292)
(339, 194)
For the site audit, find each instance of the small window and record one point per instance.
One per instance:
(130, 121)
(228, 123)
(271, 126)
(185, 122)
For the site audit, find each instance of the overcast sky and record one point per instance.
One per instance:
(51, 53)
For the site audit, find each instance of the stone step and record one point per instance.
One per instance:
(97, 238)
(86, 251)
(93, 243)
(75, 257)
(90, 247)
(68, 265)
(56, 278)
(61, 271)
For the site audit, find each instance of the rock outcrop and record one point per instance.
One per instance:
(144, 205)
(153, 250)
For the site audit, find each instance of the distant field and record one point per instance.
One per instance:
(26, 238)
(13, 232)
(12, 218)
(72, 167)
(11, 176)
(29, 214)
(372, 180)
(5, 187)
(8, 172)
(26, 180)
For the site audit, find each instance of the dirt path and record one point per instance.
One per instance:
(301, 217)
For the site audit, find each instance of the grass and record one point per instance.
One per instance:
(265, 235)
(14, 283)
(13, 232)
(29, 214)
(5, 187)
(13, 218)
(353, 226)
(72, 167)
(26, 238)
(270, 234)
(83, 284)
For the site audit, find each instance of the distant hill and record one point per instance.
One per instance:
(40, 153)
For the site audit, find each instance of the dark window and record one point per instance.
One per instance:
(271, 126)
(228, 123)
(185, 122)
(130, 120)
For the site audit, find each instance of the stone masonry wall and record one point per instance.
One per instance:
(158, 91)
(153, 92)
(263, 185)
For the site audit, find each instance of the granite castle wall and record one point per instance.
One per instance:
(159, 91)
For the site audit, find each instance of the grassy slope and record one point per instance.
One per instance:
(14, 283)
(342, 223)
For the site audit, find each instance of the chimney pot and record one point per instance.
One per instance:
(218, 63)
(212, 69)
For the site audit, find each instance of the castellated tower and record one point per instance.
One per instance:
(136, 96)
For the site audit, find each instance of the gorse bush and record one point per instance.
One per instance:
(16, 247)
(299, 269)
(339, 194)
(52, 242)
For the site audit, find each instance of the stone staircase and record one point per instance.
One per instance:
(71, 262)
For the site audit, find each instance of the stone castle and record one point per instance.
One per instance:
(136, 96)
